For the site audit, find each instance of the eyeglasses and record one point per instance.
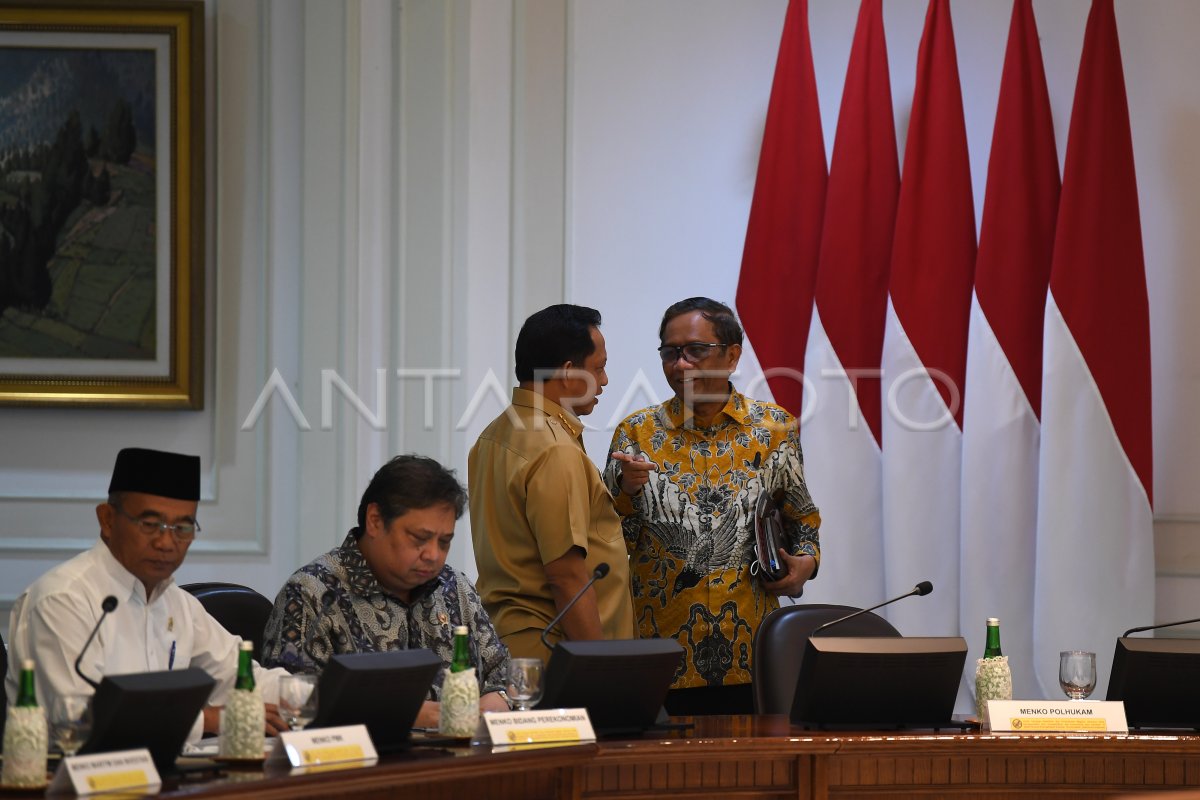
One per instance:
(694, 352)
(182, 531)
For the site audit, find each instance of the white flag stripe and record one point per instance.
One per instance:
(921, 474)
(1095, 556)
(999, 507)
(843, 469)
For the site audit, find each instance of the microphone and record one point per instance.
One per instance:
(598, 573)
(1156, 627)
(920, 590)
(108, 605)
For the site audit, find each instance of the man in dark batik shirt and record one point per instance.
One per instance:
(387, 587)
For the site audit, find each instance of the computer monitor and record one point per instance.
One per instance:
(622, 683)
(155, 710)
(874, 682)
(1157, 680)
(383, 691)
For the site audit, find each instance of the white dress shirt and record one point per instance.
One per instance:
(53, 617)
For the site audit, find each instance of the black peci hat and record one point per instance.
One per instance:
(156, 472)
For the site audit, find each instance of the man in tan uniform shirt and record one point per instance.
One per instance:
(541, 516)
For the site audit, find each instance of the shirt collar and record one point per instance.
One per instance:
(736, 409)
(362, 580)
(122, 583)
(539, 402)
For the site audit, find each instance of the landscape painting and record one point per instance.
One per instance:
(101, 204)
(77, 204)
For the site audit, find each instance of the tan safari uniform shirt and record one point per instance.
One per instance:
(534, 495)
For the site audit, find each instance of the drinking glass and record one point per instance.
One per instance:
(1077, 673)
(71, 722)
(298, 700)
(524, 685)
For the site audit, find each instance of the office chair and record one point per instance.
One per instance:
(240, 610)
(779, 648)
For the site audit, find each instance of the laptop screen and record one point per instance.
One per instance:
(1157, 680)
(879, 681)
(155, 710)
(383, 691)
(584, 674)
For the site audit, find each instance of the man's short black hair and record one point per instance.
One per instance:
(554, 336)
(725, 323)
(411, 482)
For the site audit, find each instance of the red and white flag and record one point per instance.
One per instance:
(1004, 361)
(779, 262)
(925, 342)
(1095, 550)
(841, 438)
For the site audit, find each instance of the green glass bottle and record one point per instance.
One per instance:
(992, 648)
(245, 673)
(462, 650)
(25, 737)
(26, 692)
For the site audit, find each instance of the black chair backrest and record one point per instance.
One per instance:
(240, 610)
(3, 691)
(779, 648)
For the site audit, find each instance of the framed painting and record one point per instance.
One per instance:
(102, 203)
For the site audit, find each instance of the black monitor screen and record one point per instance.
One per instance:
(383, 691)
(869, 682)
(622, 683)
(1158, 680)
(155, 710)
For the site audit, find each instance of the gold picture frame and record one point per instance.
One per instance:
(101, 234)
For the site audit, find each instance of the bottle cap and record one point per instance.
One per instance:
(27, 664)
(993, 621)
(247, 645)
(460, 630)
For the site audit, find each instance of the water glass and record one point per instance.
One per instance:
(70, 722)
(524, 685)
(1077, 673)
(298, 700)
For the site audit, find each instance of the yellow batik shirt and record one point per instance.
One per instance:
(690, 531)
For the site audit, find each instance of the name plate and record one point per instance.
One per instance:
(1037, 716)
(542, 726)
(317, 746)
(106, 772)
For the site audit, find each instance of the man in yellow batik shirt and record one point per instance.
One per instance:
(687, 475)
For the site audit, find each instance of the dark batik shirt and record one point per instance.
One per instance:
(335, 605)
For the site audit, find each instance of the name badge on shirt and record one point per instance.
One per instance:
(106, 772)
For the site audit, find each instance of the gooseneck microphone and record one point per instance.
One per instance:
(109, 604)
(1156, 627)
(599, 572)
(920, 590)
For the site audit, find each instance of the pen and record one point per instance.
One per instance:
(171, 657)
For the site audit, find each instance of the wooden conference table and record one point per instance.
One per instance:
(754, 757)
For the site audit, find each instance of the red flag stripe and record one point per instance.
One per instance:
(1016, 239)
(860, 215)
(1098, 276)
(933, 254)
(779, 262)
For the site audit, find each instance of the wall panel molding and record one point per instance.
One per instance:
(1177, 545)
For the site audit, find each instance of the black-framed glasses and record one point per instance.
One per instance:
(182, 531)
(694, 352)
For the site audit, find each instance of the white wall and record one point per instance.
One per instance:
(397, 186)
